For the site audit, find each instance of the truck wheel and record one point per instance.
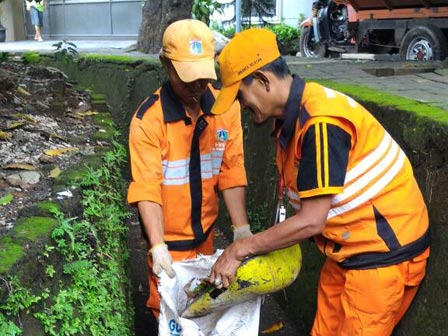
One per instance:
(308, 47)
(424, 43)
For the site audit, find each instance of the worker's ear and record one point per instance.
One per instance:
(261, 77)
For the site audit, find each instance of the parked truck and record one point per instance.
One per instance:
(415, 29)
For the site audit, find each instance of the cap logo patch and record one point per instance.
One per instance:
(196, 47)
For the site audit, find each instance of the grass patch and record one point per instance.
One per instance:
(120, 59)
(365, 94)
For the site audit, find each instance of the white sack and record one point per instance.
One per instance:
(239, 320)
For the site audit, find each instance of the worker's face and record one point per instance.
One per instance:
(189, 93)
(254, 98)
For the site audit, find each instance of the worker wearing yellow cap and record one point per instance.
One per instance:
(181, 155)
(350, 184)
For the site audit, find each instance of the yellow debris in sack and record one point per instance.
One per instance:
(273, 328)
(256, 276)
(59, 151)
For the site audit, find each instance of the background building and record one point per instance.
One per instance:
(109, 19)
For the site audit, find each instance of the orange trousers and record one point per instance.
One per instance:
(153, 301)
(366, 302)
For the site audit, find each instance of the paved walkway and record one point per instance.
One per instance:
(425, 82)
(82, 46)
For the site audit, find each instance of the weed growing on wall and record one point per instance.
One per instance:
(91, 295)
(65, 51)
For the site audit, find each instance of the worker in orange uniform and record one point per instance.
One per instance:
(181, 155)
(351, 185)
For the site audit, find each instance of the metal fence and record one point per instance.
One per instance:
(87, 19)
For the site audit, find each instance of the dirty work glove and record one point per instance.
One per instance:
(241, 232)
(162, 260)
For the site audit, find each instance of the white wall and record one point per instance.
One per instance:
(289, 10)
(11, 17)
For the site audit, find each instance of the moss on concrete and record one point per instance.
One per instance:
(119, 59)
(105, 133)
(31, 228)
(10, 252)
(365, 94)
(71, 177)
(103, 119)
(41, 209)
(97, 96)
(31, 57)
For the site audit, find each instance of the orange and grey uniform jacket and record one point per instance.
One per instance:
(328, 144)
(180, 164)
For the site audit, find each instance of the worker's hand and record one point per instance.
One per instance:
(162, 260)
(241, 232)
(224, 269)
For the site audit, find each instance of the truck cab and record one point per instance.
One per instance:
(415, 29)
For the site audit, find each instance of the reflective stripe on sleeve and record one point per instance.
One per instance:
(373, 190)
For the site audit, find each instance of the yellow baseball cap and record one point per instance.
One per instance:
(189, 44)
(246, 52)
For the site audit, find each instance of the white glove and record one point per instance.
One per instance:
(162, 260)
(241, 232)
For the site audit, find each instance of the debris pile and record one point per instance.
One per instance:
(44, 129)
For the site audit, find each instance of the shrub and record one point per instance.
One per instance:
(287, 36)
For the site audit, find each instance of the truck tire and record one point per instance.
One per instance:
(424, 43)
(308, 48)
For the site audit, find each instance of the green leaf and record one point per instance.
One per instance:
(6, 199)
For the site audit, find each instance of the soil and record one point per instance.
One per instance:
(44, 129)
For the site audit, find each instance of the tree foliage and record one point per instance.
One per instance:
(261, 9)
(203, 9)
(253, 8)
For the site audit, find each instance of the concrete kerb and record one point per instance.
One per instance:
(82, 46)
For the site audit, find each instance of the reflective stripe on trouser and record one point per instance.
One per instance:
(153, 301)
(365, 302)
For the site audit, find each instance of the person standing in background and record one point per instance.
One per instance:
(36, 9)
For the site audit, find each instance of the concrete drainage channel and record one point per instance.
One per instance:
(126, 82)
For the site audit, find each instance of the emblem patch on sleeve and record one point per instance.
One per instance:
(222, 135)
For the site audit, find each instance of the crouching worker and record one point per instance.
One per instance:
(350, 183)
(181, 155)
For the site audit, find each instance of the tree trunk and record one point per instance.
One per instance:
(157, 15)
